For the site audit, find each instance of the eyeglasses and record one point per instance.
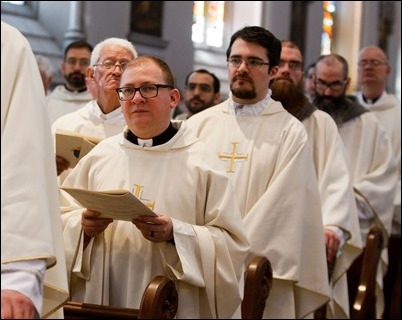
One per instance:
(112, 64)
(374, 63)
(83, 63)
(336, 85)
(252, 63)
(146, 91)
(203, 87)
(293, 64)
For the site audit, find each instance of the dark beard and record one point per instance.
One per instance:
(244, 93)
(341, 109)
(76, 80)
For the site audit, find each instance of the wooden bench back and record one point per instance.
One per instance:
(159, 301)
(258, 283)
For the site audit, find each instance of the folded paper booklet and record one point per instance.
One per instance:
(115, 204)
(73, 146)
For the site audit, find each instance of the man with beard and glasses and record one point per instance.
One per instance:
(341, 225)
(102, 117)
(202, 91)
(370, 157)
(73, 94)
(266, 154)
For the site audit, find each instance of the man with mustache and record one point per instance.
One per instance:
(369, 153)
(73, 94)
(341, 225)
(201, 92)
(266, 154)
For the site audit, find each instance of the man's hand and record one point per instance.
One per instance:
(15, 305)
(62, 164)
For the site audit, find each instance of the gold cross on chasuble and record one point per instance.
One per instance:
(232, 157)
(137, 191)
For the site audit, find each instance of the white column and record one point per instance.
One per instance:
(75, 29)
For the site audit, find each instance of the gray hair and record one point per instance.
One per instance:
(96, 52)
(45, 65)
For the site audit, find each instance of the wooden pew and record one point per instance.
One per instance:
(362, 297)
(258, 283)
(159, 301)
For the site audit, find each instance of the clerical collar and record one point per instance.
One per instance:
(77, 91)
(164, 137)
(370, 101)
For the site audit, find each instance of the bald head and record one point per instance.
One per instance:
(373, 71)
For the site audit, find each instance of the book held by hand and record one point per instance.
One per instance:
(73, 146)
(115, 204)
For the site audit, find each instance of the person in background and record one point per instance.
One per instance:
(101, 117)
(33, 267)
(202, 90)
(266, 154)
(73, 94)
(46, 71)
(373, 71)
(370, 157)
(197, 240)
(341, 224)
(309, 81)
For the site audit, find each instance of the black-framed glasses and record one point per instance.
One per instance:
(293, 64)
(108, 64)
(202, 86)
(372, 62)
(146, 91)
(251, 63)
(323, 85)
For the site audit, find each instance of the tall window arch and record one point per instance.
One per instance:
(208, 23)
(329, 9)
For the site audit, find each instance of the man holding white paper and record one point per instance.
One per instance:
(197, 237)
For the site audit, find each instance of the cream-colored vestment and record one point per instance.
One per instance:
(30, 216)
(61, 101)
(269, 161)
(182, 179)
(374, 177)
(338, 202)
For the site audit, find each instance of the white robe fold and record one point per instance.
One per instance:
(30, 216)
(374, 177)
(91, 121)
(387, 110)
(183, 180)
(338, 202)
(276, 187)
(61, 101)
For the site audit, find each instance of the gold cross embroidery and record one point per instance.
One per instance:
(138, 191)
(232, 157)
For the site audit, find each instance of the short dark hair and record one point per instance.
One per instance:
(262, 37)
(77, 45)
(217, 82)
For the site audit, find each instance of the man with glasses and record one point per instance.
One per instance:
(197, 237)
(202, 90)
(102, 117)
(373, 71)
(73, 94)
(369, 153)
(341, 225)
(266, 154)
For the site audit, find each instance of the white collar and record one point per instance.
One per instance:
(253, 110)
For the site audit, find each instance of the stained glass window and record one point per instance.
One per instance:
(327, 26)
(208, 22)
